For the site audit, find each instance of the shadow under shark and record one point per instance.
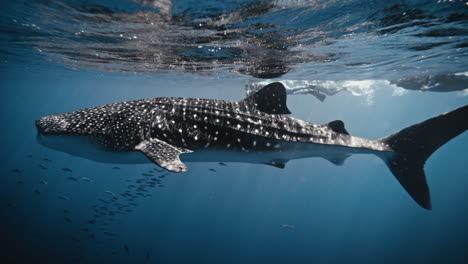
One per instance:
(254, 130)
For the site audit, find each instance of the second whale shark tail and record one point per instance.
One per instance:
(413, 146)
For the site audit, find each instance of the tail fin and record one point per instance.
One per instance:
(413, 146)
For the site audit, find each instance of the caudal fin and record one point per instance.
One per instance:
(413, 146)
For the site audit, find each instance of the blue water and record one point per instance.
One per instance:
(394, 63)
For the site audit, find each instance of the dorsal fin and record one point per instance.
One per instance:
(338, 126)
(270, 99)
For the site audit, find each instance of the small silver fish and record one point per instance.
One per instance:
(63, 197)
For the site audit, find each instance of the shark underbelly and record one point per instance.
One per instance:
(86, 147)
(271, 151)
(286, 151)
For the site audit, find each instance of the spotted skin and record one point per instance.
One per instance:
(162, 128)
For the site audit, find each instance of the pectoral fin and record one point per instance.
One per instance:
(277, 164)
(163, 154)
(337, 160)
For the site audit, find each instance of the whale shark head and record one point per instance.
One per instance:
(52, 125)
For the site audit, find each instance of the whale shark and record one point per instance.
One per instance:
(257, 129)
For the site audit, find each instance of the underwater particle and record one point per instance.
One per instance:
(222, 164)
(107, 233)
(211, 169)
(63, 197)
(42, 166)
(86, 179)
(67, 169)
(43, 182)
(18, 171)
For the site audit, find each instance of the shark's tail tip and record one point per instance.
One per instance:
(413, 146)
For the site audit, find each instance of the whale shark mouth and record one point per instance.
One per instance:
(52, 125)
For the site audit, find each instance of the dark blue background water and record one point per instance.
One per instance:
(310, 212)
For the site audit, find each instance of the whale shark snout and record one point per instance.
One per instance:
(52, 124)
